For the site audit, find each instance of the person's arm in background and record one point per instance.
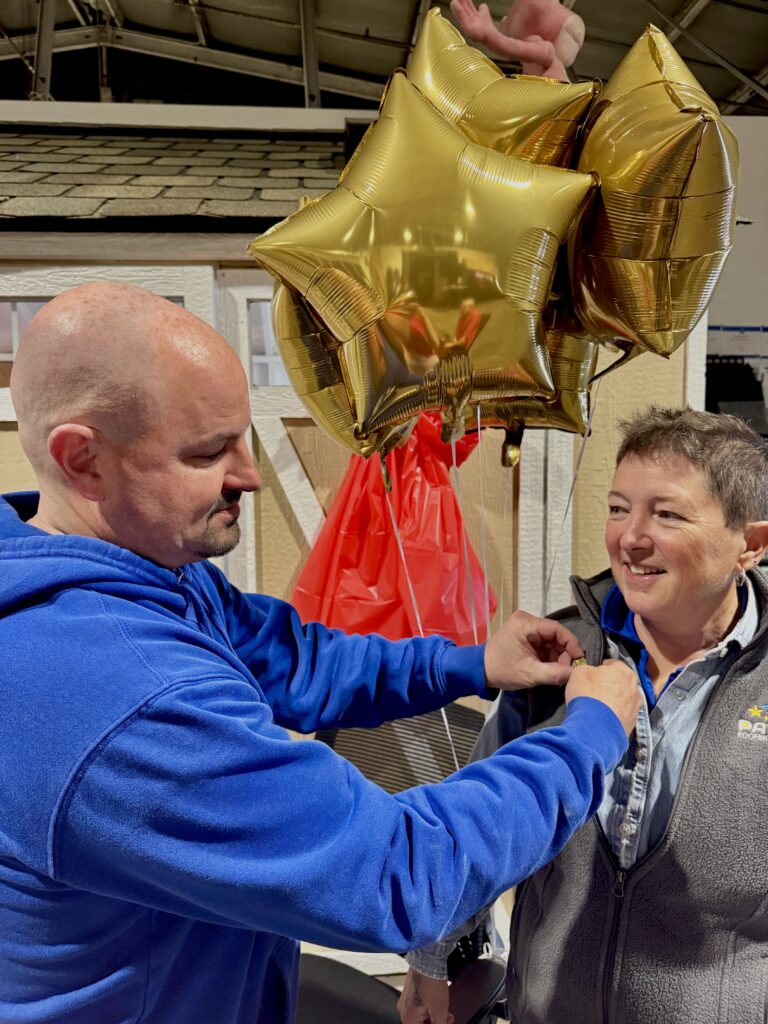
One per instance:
(314, 677)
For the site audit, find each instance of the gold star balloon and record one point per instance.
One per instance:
(430, 265)
(310, 355)
(649, 253)
(573, 356)
(532, 118)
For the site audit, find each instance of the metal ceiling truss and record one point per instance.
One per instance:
(11, 42)
(685, 16)
(112, 9)
(48, 40)
(734, 101)
(78, 12)
(309, 54)
(752, 85)
(201, 25)
(193, 53)
(46, 26)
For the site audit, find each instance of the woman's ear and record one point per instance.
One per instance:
(75, 449)
(756, 540)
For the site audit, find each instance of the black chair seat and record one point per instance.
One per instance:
(334, 993)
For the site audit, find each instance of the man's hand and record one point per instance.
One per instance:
(424, 1000)
(613, 683)
(527, 651)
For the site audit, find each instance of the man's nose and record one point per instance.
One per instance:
(243, 476)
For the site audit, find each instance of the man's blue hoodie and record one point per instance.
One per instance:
(163, 841)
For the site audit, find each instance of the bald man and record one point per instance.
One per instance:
(163, 842)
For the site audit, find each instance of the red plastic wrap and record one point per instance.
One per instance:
(354, 578)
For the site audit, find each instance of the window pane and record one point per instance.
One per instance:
(278, 375)
(260, 374)
(6, 340)
(266, 365)
(14, 317)
(260, 326)
(26, 311)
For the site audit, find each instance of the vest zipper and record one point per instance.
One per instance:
(617, 891)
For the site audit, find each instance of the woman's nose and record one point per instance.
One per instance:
(634, 533)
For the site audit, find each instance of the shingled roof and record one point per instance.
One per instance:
(91, 176)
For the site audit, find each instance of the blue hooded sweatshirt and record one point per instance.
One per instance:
(164, 842)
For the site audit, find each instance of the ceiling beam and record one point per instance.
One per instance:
(732, 102)
(418, 17)
(179, 49)
(309, 53)
(201, 25)
(686, 16)
(112, 8)
(15, 51)
(751, 83)
(46, 25)
(245, 64)
(75, 7)
(63, 39)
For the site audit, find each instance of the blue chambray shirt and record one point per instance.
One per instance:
(640, 791)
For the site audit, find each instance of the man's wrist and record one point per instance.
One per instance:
(463, 670)
(429, 964)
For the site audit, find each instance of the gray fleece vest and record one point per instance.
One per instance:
(682, 937)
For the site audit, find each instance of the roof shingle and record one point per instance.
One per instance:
(99, 176)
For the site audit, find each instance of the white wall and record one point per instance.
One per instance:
(741, 298)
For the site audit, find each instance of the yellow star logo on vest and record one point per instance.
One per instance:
(748, 728)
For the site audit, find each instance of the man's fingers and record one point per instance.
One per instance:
(554, 674)
(546, 632)
(566, 641)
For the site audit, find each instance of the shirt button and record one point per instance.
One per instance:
(626, 829)
(679, 694)
(641, 754)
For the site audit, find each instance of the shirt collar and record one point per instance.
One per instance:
(619, 622)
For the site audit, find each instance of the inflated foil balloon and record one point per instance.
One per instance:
(532, 118)
(649, 253)
(430, 265)
(310, 355)
(573, 355)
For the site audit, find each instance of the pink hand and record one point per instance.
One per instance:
(474, 23)
(478, 25)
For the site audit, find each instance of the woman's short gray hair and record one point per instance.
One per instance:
(733, 458)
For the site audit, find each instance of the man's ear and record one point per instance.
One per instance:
(756, 539)
(75, 449)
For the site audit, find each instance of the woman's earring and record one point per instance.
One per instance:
(741, 578)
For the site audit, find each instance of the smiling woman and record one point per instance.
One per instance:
(636, 920)
(686, 519)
